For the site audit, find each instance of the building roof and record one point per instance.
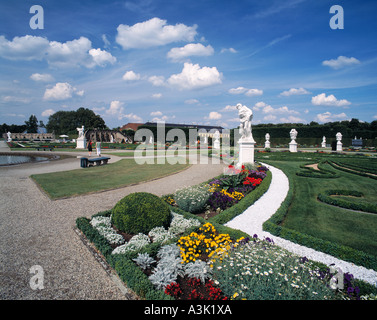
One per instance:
(134, 126)
(180, 125)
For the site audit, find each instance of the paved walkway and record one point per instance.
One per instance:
(35, 230)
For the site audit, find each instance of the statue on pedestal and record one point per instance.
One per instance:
(246, 115)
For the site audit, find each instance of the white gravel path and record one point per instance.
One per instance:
(252, 219)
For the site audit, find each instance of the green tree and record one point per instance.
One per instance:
(32, 124)
(66, 122)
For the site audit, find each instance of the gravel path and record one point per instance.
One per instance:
(252, 219)
(38, 231)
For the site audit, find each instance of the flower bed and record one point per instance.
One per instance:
(194, 259)
(219, 195)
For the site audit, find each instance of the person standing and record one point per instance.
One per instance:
(89, 146)
(98, 147)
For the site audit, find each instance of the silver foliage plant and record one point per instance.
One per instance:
(103, 226)
(144, 260)
(198, 269)
(193, 198)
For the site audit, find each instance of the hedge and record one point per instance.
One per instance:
(313, 173)
(273, 226)
(363, 174)
(326, 197)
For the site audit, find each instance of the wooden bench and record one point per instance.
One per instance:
(98, 161)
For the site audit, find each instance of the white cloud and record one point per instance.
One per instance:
(259, 105)
(101, 57)
(246, 91)
(23, 48)
(157, 81)
(78, 52)
(61, 91)
(156, 113)
(117, 110)
(292, 119)
(157, 95)
(294, 92)
(281, 110)
(340, 62)
(329, 117)
(322, 100)
(231, 50)
(15, 99)
(229, 108)
(131, 76)
(194, 77)
(48, 112)
(154, 32)
(191, 49)
(45, 77)
(270, 117)
(192, 101)
(214, 115)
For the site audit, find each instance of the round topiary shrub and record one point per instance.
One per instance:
(140, 212)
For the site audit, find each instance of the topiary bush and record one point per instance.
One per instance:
(140, 212)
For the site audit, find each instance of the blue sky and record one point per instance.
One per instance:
(189, 61)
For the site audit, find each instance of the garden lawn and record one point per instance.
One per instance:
(310, 216)
(93, 179)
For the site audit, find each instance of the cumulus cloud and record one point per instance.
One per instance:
(294, 92)
(154, 32)
(157, 95)
(45, 77)
(78, 52)
(322, 100)
(246, 91)
(131, 76)
(101, 57)
(229, 108)
(48, 112)
(214, 115)
(61, 91)
(156, 113)
(194, 77)
(329, 117)
(157, 81)
(23, 48)
(117, 110)
(340, 62)
(191, 49)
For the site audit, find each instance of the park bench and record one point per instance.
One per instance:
(45, 148)
(85, 162)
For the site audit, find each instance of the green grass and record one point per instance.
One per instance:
(93, 179)
(308, 215)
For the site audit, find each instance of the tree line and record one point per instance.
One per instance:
(61, 122)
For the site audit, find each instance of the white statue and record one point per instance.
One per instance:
(339, 136)
(216, 143)
(246, 115)
(339, 144)
(267, 144)
(323, 142)
(293, 133)
(81, 132)
(267, 136)
(9, 136)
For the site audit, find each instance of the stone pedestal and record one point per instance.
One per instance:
(267, 145)
(339, 146)
(323, 144)
(81, 143)
(293, 146)
(246, 152)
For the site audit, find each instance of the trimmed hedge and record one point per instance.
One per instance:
(321, 173)
(140, 212)
(273, 226)
(343, 203)
(363, 174)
